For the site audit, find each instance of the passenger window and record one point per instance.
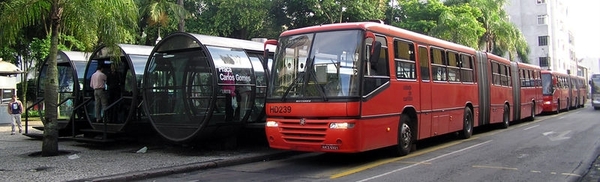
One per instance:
(438, 65)
(404, 54)
(377, 72)
(424, 63)
(453, 69)
(466, 68)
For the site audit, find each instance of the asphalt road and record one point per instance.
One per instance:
(558, 147)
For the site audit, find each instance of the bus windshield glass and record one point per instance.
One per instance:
(595, 85)
(547, 87)
(319, 65)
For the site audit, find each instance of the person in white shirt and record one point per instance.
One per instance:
(98, 82)
(15, 109)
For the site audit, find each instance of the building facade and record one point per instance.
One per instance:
(545, 26)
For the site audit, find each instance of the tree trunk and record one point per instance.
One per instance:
(50, 138)
(181, 26)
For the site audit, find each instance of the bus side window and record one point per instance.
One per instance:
(424, 63)
(466, 68)
(377, 72)
(438, 65)
(404, 56)
(453, 69)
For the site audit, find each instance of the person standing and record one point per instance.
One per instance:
(15, 109)
(98, 83)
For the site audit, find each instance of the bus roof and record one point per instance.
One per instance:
(383, 29)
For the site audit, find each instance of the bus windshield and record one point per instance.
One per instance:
(595, 85)
(317, 65)
(547, 87)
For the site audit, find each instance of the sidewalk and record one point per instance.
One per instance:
(109, 162)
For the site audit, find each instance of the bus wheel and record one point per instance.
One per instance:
(558, 107)
(532, 118)
(467, 130)
(505, 117)
(405, 137)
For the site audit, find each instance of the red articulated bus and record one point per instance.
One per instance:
(556, 91)
(354, 87)
(580, 91)
(529, 91)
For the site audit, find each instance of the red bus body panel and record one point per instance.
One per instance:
(436, 107)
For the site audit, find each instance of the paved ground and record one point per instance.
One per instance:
(121, 162)
(593, 174)
(118, 161)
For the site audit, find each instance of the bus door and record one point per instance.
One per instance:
(425, 88)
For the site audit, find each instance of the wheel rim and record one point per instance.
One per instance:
(406, 135)
(468, 122)
(505, 116)
(533, 111)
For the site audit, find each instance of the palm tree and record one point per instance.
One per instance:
(500, 35)
(92, 21)
(157, 13)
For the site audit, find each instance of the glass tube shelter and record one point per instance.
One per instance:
(71, 67)
(198, 87)
(124, 75)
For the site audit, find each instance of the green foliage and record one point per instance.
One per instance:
(452, 23)
(40, 48)
(419, 17)
(226, 18)
(301, 13)
(33, 113)
(31, 89)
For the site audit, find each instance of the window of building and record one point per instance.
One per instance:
(541, 1)
(543, 40)
(542, 19)
(544, 62)
(6, 95)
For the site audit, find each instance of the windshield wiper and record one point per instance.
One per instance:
(312, 74)
(294, 83)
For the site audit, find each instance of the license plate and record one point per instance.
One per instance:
(330, 147)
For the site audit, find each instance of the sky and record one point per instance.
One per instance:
(584, 16)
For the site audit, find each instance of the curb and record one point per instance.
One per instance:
(165, 171)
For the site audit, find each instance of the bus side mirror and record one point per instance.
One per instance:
(269, 42)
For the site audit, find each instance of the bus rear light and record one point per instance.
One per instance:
(272, 124)
(341, 125)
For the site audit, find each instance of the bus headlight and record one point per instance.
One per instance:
(272, 124)
(547, 103)
(341, 125)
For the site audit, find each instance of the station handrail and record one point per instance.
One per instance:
(27, 114)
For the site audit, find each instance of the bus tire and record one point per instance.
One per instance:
(405, 137)
(532, 117)
(467, 130)
(506, 117)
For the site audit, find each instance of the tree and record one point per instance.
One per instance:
(302, 13)
(157, 14)
(93, 22)
(501, 36)
(225, 18)
(452, 23)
